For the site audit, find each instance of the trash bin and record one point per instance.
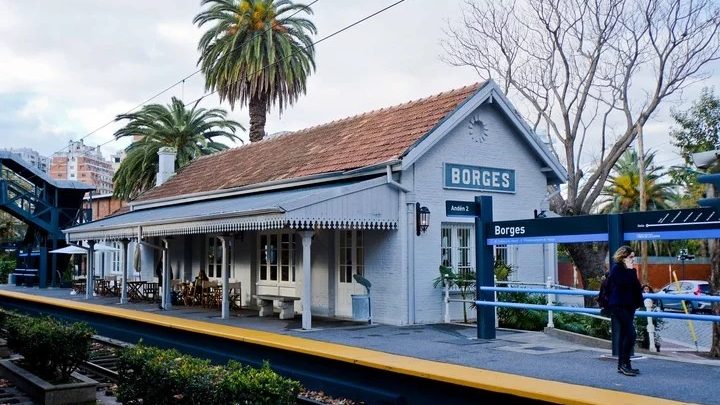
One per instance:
(361, 307)
(11, 278)
(361, 302)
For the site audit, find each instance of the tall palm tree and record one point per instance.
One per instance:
(256, 53)
(191, 132)
(622, 190)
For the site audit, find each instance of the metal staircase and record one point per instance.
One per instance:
(46, 205)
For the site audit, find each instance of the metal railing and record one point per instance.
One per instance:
(552, 290)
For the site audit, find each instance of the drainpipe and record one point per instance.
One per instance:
(392, 182)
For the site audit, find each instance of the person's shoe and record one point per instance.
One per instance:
(634, 370)
(627, 371)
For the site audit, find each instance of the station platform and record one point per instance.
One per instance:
(528, 364)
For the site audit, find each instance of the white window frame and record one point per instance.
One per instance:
(352, 242)
(213, 265)
(451, 253)
(461, 257)
(282, 248)
(115, 257)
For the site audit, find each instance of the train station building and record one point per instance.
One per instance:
(378, 194)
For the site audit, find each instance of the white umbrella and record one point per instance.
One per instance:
(99, 247)
(70, 250)
(74, 249)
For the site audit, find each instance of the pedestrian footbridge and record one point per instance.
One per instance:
(45, 204)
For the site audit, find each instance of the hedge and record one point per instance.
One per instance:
(166, 376)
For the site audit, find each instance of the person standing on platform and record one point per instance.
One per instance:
(625, 295)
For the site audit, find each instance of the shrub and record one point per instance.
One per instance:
(524, 319)
(582, 324)
(50, 348)
(161, 377)
(7, 266)
(247, 385)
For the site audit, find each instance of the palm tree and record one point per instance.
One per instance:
(256, 55)
(622, 189)
(191, 132)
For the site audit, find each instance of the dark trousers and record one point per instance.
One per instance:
(626, 322)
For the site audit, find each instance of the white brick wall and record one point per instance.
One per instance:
(504, 148)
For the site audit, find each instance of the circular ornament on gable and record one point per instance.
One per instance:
(477, 130)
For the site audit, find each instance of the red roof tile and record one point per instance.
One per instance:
(363, 140)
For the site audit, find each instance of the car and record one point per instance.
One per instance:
(685, 287)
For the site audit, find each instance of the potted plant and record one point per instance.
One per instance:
(51, 352)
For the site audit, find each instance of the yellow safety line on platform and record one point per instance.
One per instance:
(495, 381)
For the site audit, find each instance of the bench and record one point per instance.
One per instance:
(287, 305)
(27, 277)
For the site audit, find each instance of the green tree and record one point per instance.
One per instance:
(11, 228)
(698, 131)
(622, 188)
(257, 52)
(591, 74)
(191, 132)
(698, 128)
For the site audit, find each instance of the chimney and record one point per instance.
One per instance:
(166, 164)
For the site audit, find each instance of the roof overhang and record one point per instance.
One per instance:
(367, 204)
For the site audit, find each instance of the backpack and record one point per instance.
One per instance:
(604, 293)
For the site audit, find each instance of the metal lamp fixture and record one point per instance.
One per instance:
(422, 218)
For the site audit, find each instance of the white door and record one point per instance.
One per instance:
(350, 261)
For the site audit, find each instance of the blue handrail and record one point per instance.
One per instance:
(589, 293)
(596, 311)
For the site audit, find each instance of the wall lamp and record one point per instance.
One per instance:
(422, 218)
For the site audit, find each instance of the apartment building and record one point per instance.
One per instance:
(83, 163)
(33, 157)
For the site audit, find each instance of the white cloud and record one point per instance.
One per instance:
(178, 34)
(68, 70)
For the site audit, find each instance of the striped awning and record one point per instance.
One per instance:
(368, 204)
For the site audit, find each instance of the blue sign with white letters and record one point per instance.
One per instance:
(478, 178)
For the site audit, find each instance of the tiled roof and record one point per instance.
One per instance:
(363, 140)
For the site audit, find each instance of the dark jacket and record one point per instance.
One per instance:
(624, 287)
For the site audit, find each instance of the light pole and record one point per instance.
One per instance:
(682, 256)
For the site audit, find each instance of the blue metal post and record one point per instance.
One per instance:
(615, 240)
(484, 262)
(43, 270)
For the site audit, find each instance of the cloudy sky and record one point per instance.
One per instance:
(69, 67)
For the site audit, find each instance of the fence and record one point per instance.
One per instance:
(552, 290)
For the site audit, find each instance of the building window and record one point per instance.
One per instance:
(277, 257)
(214, 255)
(457, 247)
(350, 255)
(501, 253)
(115, 258)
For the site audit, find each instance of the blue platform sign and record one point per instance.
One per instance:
(478, 178)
